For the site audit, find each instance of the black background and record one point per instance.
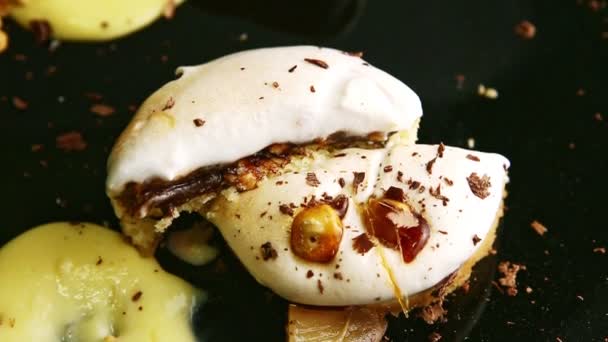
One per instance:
(553, 137)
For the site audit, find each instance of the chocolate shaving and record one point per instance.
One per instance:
(320, 286)
(317, 62)
(341, 182)
(472, 157)
(448, 181)
(400, 176)
(395, 194)
(340, 204)
(479, 185)
(136, 296)
(476, 240)
(440, 150)
(362, 244)
(169, 104)
(293, 68)
(268, 252)
(437, 194)
(286, 209)
(429, 165)
(357, 180)
(198, 122)
(312, 180)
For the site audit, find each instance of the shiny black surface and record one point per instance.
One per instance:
(556, 146)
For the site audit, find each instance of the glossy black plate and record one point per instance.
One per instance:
(550, 119)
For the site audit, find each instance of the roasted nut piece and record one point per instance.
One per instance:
(316, 233)
(397, 226)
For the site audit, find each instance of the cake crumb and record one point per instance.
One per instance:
(525, 29)
(538, 227)
(509, 279)
(599, 250)
(487, 92)
(433, 313)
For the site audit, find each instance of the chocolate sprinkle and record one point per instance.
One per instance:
(317, 62)
(136, 296)
(293, 68)
(440, 150)
(320, 286)
(388, 168)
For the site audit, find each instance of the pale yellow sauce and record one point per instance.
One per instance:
(91, 19)
(80, 282)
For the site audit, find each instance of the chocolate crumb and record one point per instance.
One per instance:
(362, 244)
(312, 89)
(479, 185)
(338, 276)
(275, 84)
(395, 194)
(309, 274)
(341, 182)
(472, 157)
(70, 141)
(476, 240)
(102, 110)
(198, 122)
(286, 209)
(357, 180)
(169, 104)
(317, 62)
(20, 103)
(268, 252)
(320, 286)
(538, 227)
(388, 168)
(312, 180)
(437, 194)
(293, 68)
(136, 296)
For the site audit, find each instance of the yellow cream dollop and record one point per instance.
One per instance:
(82, 282)
(91, 19)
